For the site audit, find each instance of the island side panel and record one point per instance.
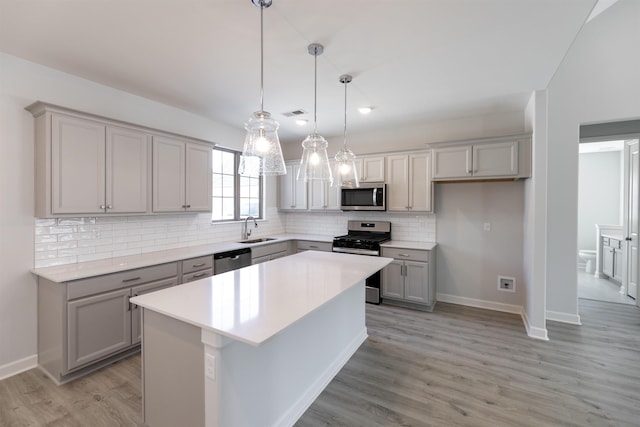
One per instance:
(172, 372)
(274, 383)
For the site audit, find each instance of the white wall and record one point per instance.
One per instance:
(599, 194)
(596, 82)
(22, 83)
(535, 219)
(470, 258)
(414, 137)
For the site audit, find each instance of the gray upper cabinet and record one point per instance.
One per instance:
(409, 183)
(494, 158)
(87, 167)
(293, 194)
(181, 176)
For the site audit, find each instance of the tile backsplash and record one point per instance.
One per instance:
(71, 240)
(409, 227)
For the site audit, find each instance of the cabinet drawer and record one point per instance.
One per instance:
(616, 244)
(262, 250)
(406, 254)
(197, 264)
(306, 245)
(197, 275)
(605, 241)
(108, 282)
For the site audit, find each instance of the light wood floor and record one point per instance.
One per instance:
(455, 366)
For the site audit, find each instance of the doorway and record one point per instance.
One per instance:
(608, 219)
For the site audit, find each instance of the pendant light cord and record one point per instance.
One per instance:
(344, 145)
(261, 57)
(315, 94)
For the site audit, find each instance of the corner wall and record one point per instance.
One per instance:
(597, 82)
(22, 83)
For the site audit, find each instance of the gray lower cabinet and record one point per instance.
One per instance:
(410, 278)
(264, 253)
(197, 268)
(97, 326)
(308, 245)
(87, 323)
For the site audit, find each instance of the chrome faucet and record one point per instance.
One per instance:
(247, 232)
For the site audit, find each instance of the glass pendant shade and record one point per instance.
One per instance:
(346, 174)
(314, 164)
(261, 154)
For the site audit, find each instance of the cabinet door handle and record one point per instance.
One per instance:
(135, 306)
(198, 265)
(313, 247)
(628, 239)
(133, 279)
(198, 275)
(404, 255)
(103, 207)
(109, 207)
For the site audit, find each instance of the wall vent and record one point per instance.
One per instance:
(294, 113)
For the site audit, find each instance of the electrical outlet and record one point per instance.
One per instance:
(506, 284)
(210, 366)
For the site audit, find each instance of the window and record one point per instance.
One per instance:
(234, 197)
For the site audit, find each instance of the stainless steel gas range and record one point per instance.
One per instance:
(364, 238)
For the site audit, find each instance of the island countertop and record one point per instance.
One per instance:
(255, 303)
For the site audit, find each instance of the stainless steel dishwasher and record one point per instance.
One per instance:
(231, 260)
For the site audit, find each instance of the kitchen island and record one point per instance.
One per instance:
(255, 346)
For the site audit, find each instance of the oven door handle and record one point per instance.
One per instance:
(356, 251)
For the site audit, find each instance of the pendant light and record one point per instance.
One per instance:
(262, 154)
(314, 165)
(345, 174)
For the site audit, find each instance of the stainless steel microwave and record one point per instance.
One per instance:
(367, 197)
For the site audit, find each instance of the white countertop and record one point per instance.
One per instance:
(403, 244)
(254, 303)
(67, 272)
(613, 236)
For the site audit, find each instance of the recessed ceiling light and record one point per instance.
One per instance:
(301, 122)
(365, 110)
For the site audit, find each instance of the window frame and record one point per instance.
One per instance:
(236, 189)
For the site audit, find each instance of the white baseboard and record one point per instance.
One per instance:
(557, 316)
(14, 368)
(472, 302)
(533, 332)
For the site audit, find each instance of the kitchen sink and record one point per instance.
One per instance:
(261, 239)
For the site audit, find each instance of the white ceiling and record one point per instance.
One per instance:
(412, 60)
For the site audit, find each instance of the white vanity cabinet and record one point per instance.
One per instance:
(409, 184)
(612, 258)
(410, 279)
(181, 175)
(85, 166)
(491, 158)
(293, 193)
(87, 323)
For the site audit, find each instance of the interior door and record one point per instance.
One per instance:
(632, 218)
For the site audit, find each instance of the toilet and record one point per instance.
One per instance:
(589, 258)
